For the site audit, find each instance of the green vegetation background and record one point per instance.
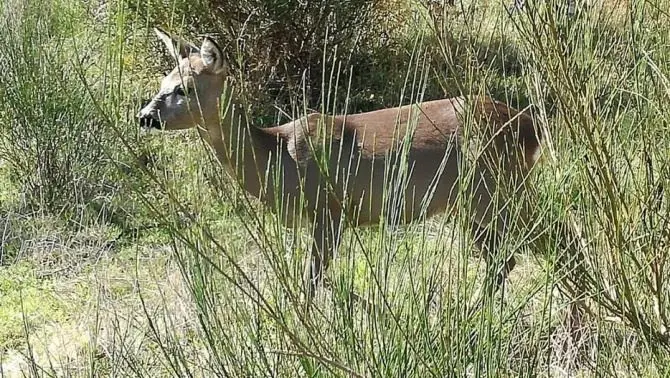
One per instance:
(123, 254)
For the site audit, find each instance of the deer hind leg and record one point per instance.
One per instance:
(326, 238)
(489, 229)
(488, 241)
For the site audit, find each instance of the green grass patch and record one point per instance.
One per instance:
(26, 304)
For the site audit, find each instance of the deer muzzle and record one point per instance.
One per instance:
(148, 117)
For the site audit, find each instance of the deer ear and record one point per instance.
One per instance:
(212, 56)
(177, 47)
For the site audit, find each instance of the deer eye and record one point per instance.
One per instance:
(180, 91)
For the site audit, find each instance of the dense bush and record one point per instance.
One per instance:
(52, 135)
(288, 50)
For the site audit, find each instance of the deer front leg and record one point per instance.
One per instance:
(326, 238)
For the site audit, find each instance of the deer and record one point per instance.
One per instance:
(333, 169)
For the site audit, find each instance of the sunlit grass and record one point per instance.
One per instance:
(168, 269)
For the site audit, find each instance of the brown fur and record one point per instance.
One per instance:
(395, 165)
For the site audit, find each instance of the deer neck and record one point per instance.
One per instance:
(239, 146)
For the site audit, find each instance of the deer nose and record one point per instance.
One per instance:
(147, 117)
(143, 108)
(149, 122)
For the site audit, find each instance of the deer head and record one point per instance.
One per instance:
(188, 95)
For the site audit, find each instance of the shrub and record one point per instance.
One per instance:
(50, 133)
(280, 48)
